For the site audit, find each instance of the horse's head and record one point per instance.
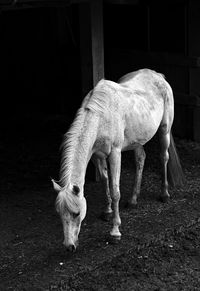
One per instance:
(71, 205)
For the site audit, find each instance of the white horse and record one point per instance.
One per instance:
(115, 117)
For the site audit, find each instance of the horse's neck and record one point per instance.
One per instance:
(82, 155)
(82, 151)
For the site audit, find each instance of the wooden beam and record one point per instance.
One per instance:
(13, 2)
(152, 58)
(85, 48)
(96, 11)
(28, 4)
(91, 51)
(123, 2)
(91, 43)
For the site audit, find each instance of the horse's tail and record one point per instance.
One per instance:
(175, 172)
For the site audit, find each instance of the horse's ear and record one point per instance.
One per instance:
(76, 190)
(56, 187)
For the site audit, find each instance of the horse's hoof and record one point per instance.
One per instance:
(114, 240)
(164, 199)
(130, 205)
(105, 216)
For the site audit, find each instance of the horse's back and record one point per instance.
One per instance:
(140, 73)
(133, 108)
(154, 87)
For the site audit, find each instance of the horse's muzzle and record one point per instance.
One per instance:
(71, 248)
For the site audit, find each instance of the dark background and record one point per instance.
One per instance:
(40, 67)
(40, 90)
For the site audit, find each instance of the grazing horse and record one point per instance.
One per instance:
(115, 117)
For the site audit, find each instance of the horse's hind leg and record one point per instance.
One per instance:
(165, 142)
(101, 164)
(139, 159)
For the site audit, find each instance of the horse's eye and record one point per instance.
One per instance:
(75, 215)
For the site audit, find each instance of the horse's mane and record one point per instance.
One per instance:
(96, 101)
(99, 100)
(67, 201)
(68, 147)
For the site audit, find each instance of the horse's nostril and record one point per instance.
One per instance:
(71, 248)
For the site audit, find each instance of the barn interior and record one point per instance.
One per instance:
(54, 52)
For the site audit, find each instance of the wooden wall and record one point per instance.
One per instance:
(59, 57)
(40, 63)
(165, 36)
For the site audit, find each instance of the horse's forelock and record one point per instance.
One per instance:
(67, 201)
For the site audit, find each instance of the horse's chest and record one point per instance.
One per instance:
(102, 146)
(107, 138)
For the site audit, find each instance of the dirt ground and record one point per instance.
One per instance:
(159, 249)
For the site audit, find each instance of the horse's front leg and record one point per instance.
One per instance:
(139, 159)
(115, 170)
(165, 142)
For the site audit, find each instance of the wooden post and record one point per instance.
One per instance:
(85, 48)
(96, 10)
(91, 52)
(91, 43)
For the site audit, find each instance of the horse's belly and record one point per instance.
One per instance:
(141, 128)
